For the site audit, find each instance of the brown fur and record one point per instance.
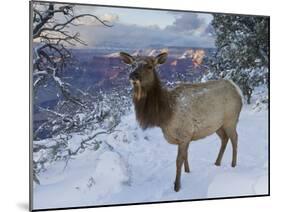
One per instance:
(152, 105)
(186, 113)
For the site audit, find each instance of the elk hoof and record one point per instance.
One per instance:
(233, 164)
(177, 187)
(217, 163)
(187, 170)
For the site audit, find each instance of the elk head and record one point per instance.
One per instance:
(143, 74)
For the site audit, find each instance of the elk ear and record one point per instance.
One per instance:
(126, 58)
(161, 58)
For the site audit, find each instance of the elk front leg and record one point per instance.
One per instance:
(180, 159)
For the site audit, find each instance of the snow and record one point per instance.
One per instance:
(152, 52)
(187, 54)
(260, 98)
(132, 166)
(114, 54)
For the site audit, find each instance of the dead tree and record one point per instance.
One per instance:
(50, 53)
(53, 35)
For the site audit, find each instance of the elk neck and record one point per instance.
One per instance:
(153, 105)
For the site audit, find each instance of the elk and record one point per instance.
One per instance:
(186, 113)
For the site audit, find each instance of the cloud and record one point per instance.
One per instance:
(187, 30)
(209, 30)
(197, 24)
(110, 17)
(134, 36)
(187, 22)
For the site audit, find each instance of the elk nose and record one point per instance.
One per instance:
(134, 76)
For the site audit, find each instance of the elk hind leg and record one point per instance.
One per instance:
(232, 134)
(224, 139)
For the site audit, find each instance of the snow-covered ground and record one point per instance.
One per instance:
(132, 166)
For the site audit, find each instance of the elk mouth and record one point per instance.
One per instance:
(135, 82)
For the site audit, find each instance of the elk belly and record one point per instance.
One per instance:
(205, 131)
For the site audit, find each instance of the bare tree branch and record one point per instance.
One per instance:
(52, 57)
(39, 29)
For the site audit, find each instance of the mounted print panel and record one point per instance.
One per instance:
(139, 105)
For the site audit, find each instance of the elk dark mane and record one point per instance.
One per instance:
(154, 108)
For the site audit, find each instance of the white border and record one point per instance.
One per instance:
(14, 103)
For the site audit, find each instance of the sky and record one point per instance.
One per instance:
(140, 28)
